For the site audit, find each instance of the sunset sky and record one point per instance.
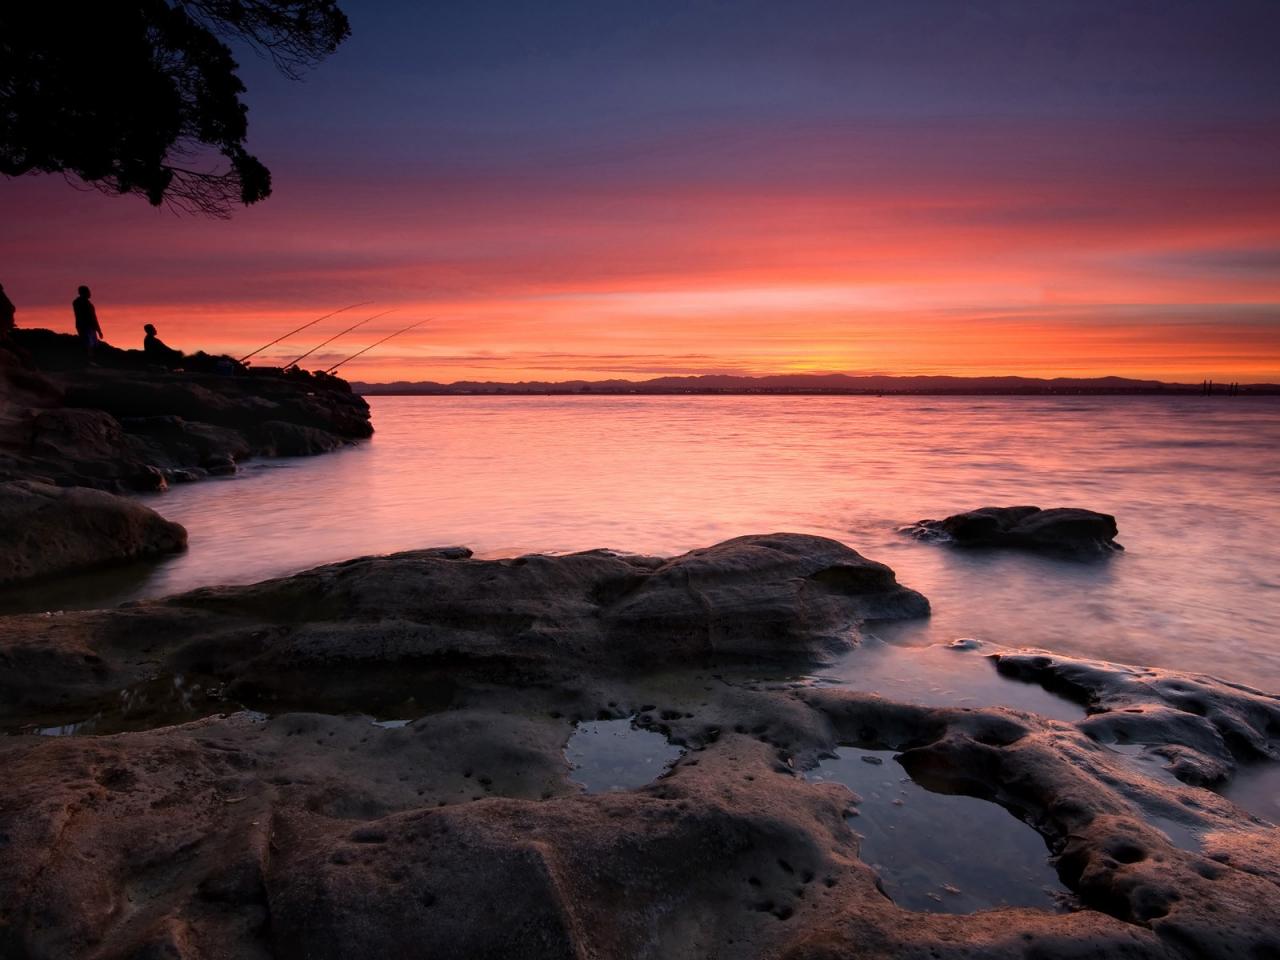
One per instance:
(603, 189)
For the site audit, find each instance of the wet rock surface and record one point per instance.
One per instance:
(1063, 531)
(305, 829)
(52, 530)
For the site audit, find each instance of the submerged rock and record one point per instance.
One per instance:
(1063, 530)
(51, 530)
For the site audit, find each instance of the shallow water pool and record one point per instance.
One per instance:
(607, 756)
(939, 852)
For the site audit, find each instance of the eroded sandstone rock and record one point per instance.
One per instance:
(306, 830)
(375, 623)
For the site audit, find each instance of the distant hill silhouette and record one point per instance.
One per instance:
(836, 383)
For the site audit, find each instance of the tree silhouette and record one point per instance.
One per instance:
(143, 97)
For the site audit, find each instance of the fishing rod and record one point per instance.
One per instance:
(383, 340)
(335, 337)
(303, 327)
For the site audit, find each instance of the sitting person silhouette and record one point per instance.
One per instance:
(157, 350)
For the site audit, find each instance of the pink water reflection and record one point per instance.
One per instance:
(1192, 482)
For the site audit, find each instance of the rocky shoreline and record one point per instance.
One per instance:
(123, 426)
(368, 759)
(371, 758)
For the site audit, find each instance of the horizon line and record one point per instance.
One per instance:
(811, 376)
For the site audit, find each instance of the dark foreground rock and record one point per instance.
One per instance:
(375, 627)
(54, 530)
(305, 830)
(1063, 530)
(123, 424)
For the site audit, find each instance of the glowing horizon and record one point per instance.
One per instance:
(783, 206)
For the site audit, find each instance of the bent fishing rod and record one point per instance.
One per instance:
(343, 333)
(383, 340)
(303, 327)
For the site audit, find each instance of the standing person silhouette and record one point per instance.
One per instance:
(7, 311)
(87, 325)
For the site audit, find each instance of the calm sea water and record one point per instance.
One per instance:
(1193, 482)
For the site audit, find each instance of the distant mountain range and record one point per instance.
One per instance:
(827, 383)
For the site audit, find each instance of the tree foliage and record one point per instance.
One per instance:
(143, 97)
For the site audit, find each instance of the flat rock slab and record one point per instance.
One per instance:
(1068, 531)
(368, 628)
(52, 530)
(306, 830)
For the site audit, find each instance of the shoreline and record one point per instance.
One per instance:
(75, 437)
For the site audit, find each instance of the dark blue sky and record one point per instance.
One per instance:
(495, 83)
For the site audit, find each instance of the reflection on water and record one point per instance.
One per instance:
(1257, 789)
(943, 676)
(1192, 481)
(157, 702)
(941, 852)
(612, 755)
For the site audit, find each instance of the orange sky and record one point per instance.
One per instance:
(1071, 252)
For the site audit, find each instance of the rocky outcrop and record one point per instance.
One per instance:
(52, 530)
(90, 447)
(192, 828)
(1063, 530)
(1202, 725)
(123, 424)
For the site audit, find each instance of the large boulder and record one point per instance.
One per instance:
(52, 530)
(383, 627)
(240, 402)
(23, 389)
(1063, 530)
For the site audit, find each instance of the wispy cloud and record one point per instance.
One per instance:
(942, 247)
